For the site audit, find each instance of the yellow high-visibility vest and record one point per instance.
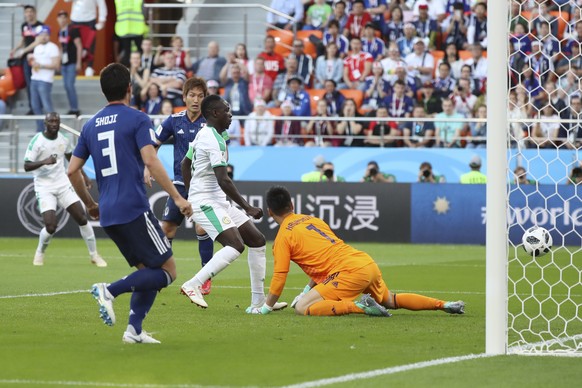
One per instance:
(130, 19)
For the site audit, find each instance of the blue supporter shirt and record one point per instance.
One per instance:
(184, 131)
(114, 138)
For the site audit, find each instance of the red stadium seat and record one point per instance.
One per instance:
(314, 96)
(310, 48)
(178, 109)
(356, 95)
(437, 54)
(283, 41)
(7, 88)
(562, 18)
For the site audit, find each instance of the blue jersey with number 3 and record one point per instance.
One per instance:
(114, 138)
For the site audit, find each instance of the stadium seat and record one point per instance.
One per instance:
(283, 41)
(526, 14)
(356, 95)
(437, 55)
(7, 88)
(275, 111)
(310, 48)
(314, 96)
(464, 55)
(178, 109)
(562, 18)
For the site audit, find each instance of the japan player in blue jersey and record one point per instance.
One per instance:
(183, 128)
(121, 142)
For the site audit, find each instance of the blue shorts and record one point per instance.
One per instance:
(171, 211)
(141, 241)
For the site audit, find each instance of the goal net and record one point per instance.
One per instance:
(544, 175)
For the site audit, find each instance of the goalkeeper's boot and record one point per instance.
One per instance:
(131, 337)
(371, 307)
(105, 300)
(194, 293)
(457, 307)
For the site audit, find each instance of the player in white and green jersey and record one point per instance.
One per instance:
(45, 157)
(205, 174)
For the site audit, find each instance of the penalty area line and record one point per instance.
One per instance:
(386, 371)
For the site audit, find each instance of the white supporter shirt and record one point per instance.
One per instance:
(44, 55)
(49, 176)
(84, 10)
(259, 132)
(423, 60)
(479, 69)
(209, 151)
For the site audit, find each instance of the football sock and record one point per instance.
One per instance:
(205, 248)
(333, 307)
(89, 236)
(146, 279)
(139, 306)
(257, 267)
(219, 261)
(43, 240)
(417, 302)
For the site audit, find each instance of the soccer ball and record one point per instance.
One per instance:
(537, 241)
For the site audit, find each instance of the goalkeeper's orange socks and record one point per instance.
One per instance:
(417, 302)
(333, 307)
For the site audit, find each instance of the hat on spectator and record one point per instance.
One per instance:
(475, 161)
(536, 42)
(260, 102)
(212, 83)
(423, 6)
(287, 104)
(417, 40)
(44, 29)
(409, 25)
(319, 161)
(295, 78)
(428, 84)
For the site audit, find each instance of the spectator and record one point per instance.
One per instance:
(298, 96)
(477, 25)
(314, 176)
(455, 26)
(399, 104)
(391, 62)
(419, 62)
(371, 44)
(520, 177)
(568, 83)
(259, 132)
(426, 175)
(238, 56)
(304, 62)
(474, 84)
(571, 62)
(165, 109)
(477, 62)
(452, 58)
(426, 27)
(318, 15)
(373, 174)
(212, 86)
(332, 35)
(448, 133)
(351, 131)
(575, 177)
(209, 67)
(520, 40)
(170, 79)
(376, 88)
(531, 83)
(478, 130)
(475, 176)
(130, 27)
(357, 20)
(382, 133)
(71, 49)
(321, 128)
(463, 99)
(234, 133)
(411, 84)
(431, 103)
(84, 18)
(230, 171)
(406, 42)
(328, 173)
(574, 40)
(436, 9)
(418, 133)
(357, 66)
(550, 45)
(281, 86)
(516, 17)
(182, 56)
(340, 16)
(517, 111)
(29, 30)
(333, 98)
(376, 9)
(236, 93)
(540, 63)
(556, 98)
(274, 63)
(292, 8)
(260, 84)
(152, 99)
(394, 29)
(571, 133)
(545, 133)
(139, 78)
(443, 83)
(288, 132)
(328, 66)
(147, 55)
(45, 62)
(540, 15)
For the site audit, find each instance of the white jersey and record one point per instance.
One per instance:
(208, 150)
(51, 175)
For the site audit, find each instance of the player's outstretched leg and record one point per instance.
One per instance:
(417, 302)
(139, 306)
(44, 238)
(371, 307)
(105, 301)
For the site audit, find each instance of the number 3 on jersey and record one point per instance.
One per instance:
(108, 151)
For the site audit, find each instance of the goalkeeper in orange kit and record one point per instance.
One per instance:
(338, 272)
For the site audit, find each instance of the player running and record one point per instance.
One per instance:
(184, 127)
(121, 142)
(338, 272)
(205, 175)
(45, 157)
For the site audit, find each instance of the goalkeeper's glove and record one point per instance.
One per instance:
(296, 300)
(263, 310)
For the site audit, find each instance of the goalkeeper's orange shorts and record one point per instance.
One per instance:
(348, 285)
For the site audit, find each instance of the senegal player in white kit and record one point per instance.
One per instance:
(205, 174)
(45, 157)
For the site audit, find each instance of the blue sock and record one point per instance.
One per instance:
(141, 280)
(140, 304)
(205, 248)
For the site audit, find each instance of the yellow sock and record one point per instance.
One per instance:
(417, 302)
(333, 307)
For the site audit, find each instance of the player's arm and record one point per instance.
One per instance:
(31, 166)
(161, 131)
(151, 161)
(75, 173)
(227, 185)
(86, 179)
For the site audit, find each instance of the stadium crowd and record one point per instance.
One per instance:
(379, 58)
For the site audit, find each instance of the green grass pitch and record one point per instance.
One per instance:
(58, 339)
